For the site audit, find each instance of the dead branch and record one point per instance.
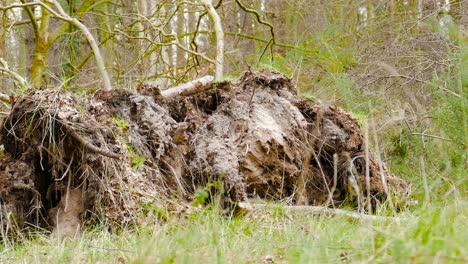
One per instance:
(189, 88)
(89, 145)
(431, 136)
(316, 210)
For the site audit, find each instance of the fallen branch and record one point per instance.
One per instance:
(431, 136)
(317, 210)
(189, 88)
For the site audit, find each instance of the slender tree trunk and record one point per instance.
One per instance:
(219, 61)
(143, 65)
(40, 51)
(2, 52)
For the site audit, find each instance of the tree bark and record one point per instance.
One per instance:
(219, 61)
(40, 51)
(189, 88)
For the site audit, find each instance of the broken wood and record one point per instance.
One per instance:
(250, 207)
(192, 87)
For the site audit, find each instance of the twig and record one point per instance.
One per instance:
(272, 41)
(432, 136)
(367, 158)
(252, 96)
(114, 249)
(259, 19)
(317, 210)
(32, 19)
(5, 68)
(335, 181)
(197, 27)
(91, 146)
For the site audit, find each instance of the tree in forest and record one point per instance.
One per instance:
(169, 42)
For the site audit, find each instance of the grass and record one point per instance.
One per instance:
(433, 234)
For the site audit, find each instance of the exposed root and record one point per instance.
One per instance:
(120, 155)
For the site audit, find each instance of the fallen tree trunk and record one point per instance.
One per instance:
(121, 152)
(192, 87)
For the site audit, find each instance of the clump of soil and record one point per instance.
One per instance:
(119, 155)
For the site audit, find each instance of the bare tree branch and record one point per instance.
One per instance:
(272, 41)
(91, 40)
(32, 18)
(16, 76)
(61, 14)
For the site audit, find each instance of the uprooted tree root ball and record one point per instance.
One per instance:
(116, 154)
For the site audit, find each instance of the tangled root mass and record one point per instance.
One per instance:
(112, 155)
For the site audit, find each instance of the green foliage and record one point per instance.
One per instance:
(329, 51)
(350, 96)
(201, 197)
(441, 155)
(123, 124)
(210, 194)
(137, 161)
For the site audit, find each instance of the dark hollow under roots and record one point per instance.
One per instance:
(117, 155)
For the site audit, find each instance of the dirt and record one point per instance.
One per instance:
(121, 155)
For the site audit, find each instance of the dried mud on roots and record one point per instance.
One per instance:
(118, 155)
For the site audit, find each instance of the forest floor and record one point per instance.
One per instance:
(431, 231)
